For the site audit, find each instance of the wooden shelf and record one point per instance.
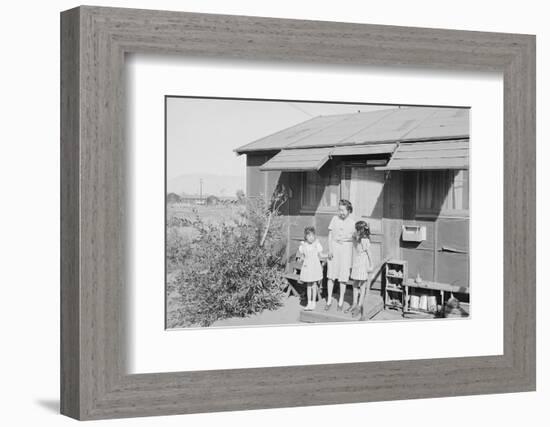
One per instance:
(436, 286)
(420, 311)
(395, 283)
(402, 285)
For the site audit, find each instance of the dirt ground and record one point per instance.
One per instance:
(289, 314)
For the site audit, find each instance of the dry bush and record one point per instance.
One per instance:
(231, 268)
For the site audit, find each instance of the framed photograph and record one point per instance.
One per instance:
(262, 213)
(367, 197)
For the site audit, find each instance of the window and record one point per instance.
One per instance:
(320, 191)
(445, 191)
(458, 196)
(430, 191)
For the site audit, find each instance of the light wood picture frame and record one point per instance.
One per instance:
(94, 41)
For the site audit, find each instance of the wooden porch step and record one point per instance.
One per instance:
(375, 304)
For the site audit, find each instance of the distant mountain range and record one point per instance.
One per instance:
(216, 185)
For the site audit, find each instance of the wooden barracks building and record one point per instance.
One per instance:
(405, 170)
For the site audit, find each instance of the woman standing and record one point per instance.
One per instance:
(340, 251)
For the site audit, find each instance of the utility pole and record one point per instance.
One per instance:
(200, 191)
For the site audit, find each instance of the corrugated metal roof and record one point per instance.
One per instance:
(389, 125)
(310, 159)
(430, 155)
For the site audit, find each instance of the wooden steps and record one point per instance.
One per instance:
(375, 304)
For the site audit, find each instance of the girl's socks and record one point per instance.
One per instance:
(310, 306)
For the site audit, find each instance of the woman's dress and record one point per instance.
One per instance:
(339, 267)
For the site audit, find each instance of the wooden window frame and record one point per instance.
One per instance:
(319, 209)
(443, 212)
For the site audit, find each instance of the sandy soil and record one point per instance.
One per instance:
(288, 314)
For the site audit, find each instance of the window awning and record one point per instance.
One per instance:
(430, 155)
(363, 150)
(305, 159)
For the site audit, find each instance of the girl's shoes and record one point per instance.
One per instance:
(351, 308)
(340, 307)
(356, 311)
(310, 306)
(327, 307)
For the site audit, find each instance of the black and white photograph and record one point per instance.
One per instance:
(292, 212)
(243, 213)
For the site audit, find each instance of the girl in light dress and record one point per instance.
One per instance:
(310, 252)
(361, 266)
